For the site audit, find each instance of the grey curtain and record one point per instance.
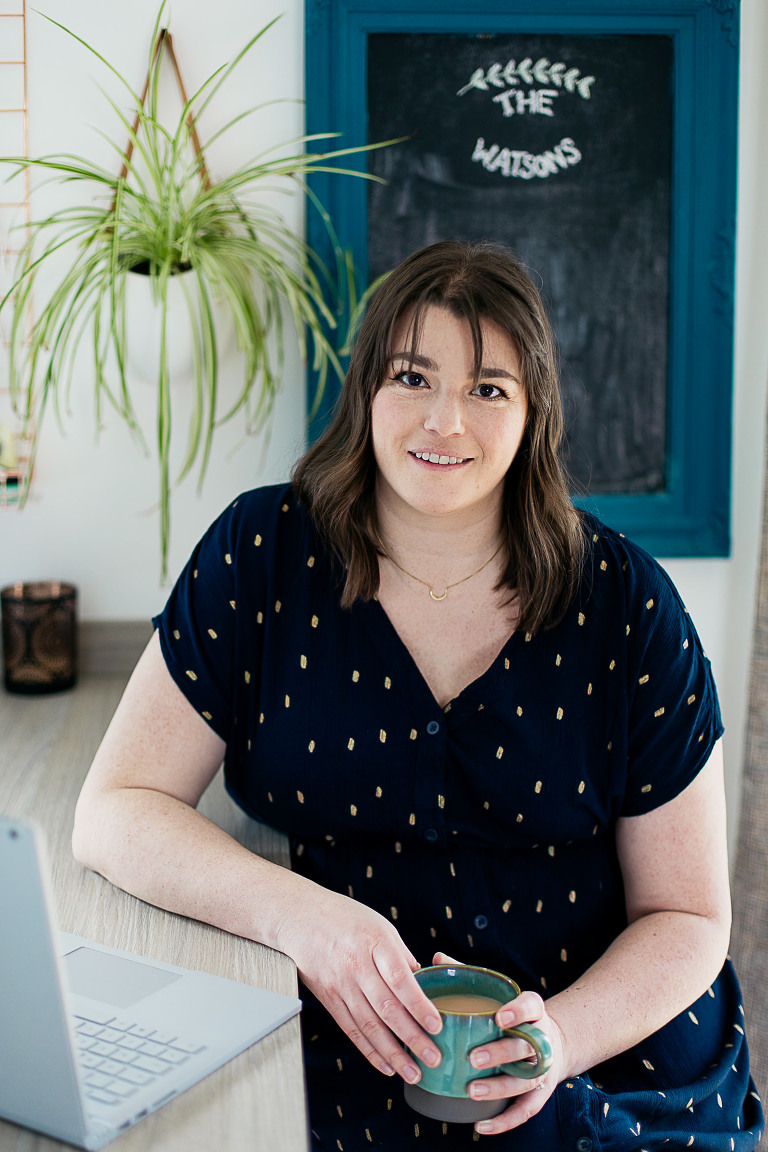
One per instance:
(749, 942)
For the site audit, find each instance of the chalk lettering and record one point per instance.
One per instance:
(571, 151)
(483, 154)
(531, 72)
(556, 74)
(524, 70)
(538, 100)
(560, 156)
(502, 162)
(524, 165)
(476, 80)
(494, 76)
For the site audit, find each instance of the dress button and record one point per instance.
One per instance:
(584, 1144)
(430, 834)
(481, 922)
(433, 727)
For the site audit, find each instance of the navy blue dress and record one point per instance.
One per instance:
(485, 829)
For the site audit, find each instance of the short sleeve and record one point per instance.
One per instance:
(198, 626)
(674, 715)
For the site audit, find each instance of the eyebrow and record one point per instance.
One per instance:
(418, 361)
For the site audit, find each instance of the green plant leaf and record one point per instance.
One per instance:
(163, 216)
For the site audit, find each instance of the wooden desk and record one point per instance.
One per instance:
(257, 1101)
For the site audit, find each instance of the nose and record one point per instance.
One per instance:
(445, 417)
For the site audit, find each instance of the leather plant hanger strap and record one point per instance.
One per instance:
(165, 40)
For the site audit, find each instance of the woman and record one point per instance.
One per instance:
(486, 723)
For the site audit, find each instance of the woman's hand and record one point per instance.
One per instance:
(357, 966)
(529, 1096)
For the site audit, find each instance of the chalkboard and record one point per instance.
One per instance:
(598, 140)
(540, 142)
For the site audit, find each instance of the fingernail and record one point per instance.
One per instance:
(478, 1089)
(387, 1069)
(480, 1059)
(430, 1057)
(506, 1018)
(433, 1024)
(411, 1073)
(485, 1127)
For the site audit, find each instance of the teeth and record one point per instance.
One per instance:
(435, 459)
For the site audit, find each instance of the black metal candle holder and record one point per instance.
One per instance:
(39, 636)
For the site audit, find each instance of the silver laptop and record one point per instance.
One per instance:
(92, 1039)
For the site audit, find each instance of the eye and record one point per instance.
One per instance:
(411, 379)
(488, 391)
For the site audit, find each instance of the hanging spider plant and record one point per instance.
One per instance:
(163, 215)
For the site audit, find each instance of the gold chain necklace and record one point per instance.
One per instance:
(426, 582)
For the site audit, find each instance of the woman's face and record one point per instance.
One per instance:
(442, 443)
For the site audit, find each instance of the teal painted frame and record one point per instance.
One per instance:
(692, 516)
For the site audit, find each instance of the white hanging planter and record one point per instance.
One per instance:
(143, 326)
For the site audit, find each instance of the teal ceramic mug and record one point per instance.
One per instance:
(468, 999)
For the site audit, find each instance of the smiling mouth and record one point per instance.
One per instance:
(434, 458)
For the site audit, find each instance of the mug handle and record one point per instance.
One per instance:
(541, 1046)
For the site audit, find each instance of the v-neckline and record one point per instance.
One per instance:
(391, 646)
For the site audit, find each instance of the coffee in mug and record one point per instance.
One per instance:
(466, 1002)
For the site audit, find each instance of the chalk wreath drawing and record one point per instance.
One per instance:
(514, 101)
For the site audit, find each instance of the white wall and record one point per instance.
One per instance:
(90, 516)
(720, 594)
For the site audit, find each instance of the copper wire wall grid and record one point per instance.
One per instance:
(14, 210)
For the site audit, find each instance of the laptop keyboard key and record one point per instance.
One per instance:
(184, 1046)
(150, 1064)
(132, 1043)
(88, 1028)
(122, 1088)
(163, 1037)
(110, 1035)
(135, 1076)
(110, 1067)
(98, 1017)
(102, 1097)
(98, 1080)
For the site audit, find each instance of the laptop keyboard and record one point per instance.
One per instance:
(117, 1057)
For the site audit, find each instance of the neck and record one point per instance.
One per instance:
(438, 548)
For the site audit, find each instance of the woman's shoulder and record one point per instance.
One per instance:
(262, 515)
(605, 541)
(608, 546)
(260, 534)
(265, 501)
(616, 562)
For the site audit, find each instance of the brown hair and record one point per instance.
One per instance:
(335, 479)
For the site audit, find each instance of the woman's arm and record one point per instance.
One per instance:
(675, 868)
(137, 825)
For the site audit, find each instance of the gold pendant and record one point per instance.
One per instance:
(438, 597)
